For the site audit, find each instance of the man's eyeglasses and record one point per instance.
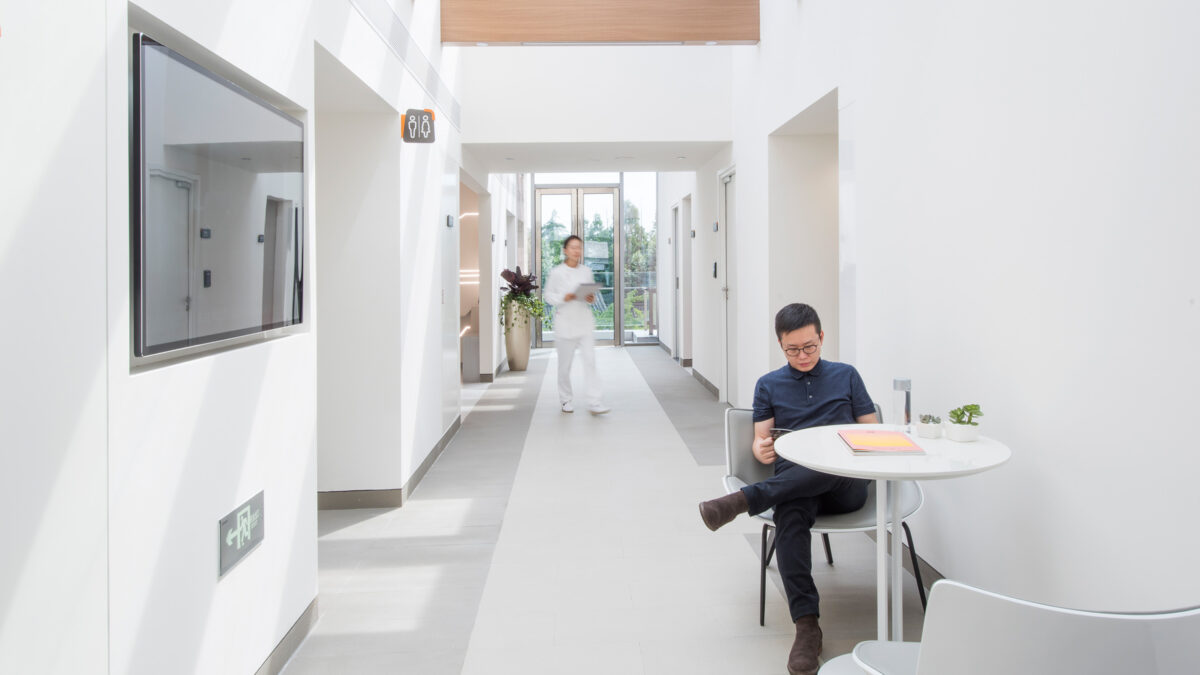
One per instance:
(795, 351)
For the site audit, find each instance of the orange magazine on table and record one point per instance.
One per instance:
(877, 442)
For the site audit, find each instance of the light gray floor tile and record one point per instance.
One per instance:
(542, 542)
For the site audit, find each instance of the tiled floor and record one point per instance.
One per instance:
(471, 393)
(542, 542)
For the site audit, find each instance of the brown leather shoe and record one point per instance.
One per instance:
(803, 658)
(721, 511)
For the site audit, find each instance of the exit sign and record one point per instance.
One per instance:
(240, 532)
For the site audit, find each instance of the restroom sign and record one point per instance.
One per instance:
(418, 125)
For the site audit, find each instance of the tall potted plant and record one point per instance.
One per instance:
(518, 308)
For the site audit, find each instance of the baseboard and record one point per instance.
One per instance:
(686, 363)
(391, 498)
(290, 642)
(666, 349)
(432, 457)
(486, 377)
(707, 385)
(359, 499)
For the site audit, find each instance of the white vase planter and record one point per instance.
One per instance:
(963, 433)
(516, 336)
(929, 430)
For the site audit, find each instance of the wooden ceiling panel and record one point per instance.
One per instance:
(506, 22)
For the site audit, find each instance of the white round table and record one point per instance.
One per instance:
(821, 449)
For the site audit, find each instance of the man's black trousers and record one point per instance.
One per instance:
(798, 495)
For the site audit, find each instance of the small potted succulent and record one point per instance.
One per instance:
(929, 426)
(962, 426)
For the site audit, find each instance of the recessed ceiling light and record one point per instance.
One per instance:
(623, 157)
(508, 159)
(680, 156)
(711, 43)
(480, 44)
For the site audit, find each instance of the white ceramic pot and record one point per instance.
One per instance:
(516, 336)
(929, 430)
(963, 433)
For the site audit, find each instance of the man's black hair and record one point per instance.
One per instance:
(794, 317)
(568, 240)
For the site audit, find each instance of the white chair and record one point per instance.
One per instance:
(969, 630)
(742, 469)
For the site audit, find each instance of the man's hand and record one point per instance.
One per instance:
(764, 449)
(590, 299)
(568, 297)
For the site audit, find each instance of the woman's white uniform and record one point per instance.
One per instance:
(574, 326)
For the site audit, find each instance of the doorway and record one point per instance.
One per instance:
(278, 249)
(172, 256)
(728, 210)
(590, 213)
(471, 260)
(676, 254)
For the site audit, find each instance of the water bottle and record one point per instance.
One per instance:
(902, 402)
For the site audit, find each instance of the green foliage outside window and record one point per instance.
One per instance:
(639, 268)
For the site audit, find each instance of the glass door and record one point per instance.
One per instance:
(591, 214)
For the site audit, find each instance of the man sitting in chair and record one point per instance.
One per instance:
(807, 392)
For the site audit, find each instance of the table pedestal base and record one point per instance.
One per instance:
(888, 571)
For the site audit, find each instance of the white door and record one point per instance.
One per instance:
(591, 213)
(166, 283)
(728, 209)
(676, 256)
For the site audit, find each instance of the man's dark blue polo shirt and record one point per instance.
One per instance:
(830, 393)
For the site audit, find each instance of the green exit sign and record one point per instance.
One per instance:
(240, 532)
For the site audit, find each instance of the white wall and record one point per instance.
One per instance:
(123, 474)
(675, 190)
(54, 125)
(410, 378)
(802, 230)
(191, 440)
(707, 325)
(428, 280)
(502, 189)
(1022, 233)
(360, 324)
(597, 93)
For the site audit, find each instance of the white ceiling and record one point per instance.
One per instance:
(631, 156)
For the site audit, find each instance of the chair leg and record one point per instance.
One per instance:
(912, 552)
(771, 549)
(762, 578)
(828, 551)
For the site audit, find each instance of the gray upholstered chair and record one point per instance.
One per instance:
(969, 630)
(742, 469)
